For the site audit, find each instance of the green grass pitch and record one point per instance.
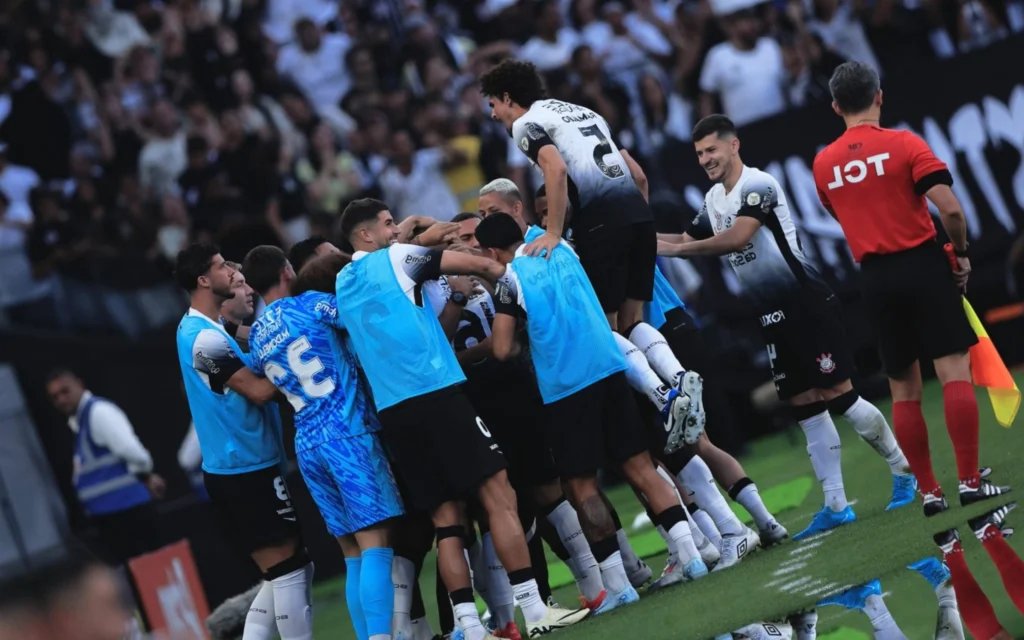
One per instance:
(777, 581)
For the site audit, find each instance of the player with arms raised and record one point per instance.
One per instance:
(875, 182)
(746, 217)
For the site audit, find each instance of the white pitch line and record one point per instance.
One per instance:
(829, 589)
(792, 586)
(787, 570)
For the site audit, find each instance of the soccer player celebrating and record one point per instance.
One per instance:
(439, 445)
(612, 227)
(590, 409)
(297, 344)
(745, 217)
(875, 182)
(241, 454)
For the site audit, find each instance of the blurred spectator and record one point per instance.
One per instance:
(553, 44)
(414, 184)
(746, 72)
(329, 174)
(315, 62)
(164, 156)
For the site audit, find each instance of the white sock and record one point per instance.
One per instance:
(468, 619)
(421, 629)
(672, 548)
(948, 623)
(640, 374)
(629, 557)
(478, 570)
(825, 449)
(403, 575)
(750, 499)
(707, 527)
(502, 603)
(696, 476)
(613, 573)
(882, 621)
(259, 622)
(686, 550)
(527, 597)
(583, 566)
(292, 604)
(655, 348)
(871, 426)
(378, 636)
(699, 538)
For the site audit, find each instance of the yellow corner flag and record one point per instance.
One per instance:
(988, 371)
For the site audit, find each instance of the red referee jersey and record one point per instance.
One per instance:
(874, 180)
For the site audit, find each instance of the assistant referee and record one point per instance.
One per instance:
(875, 181)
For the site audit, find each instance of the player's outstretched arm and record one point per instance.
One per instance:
(639, 177)
(257, 390)
(556, 183)
(734, 239)
(456, 263)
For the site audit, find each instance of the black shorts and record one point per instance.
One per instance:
(441, 449)
(620, 262)
(915, 307)
(254, 509)
(807, 345)
(511, 407)
(597, 425)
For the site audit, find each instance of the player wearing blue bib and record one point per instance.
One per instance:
(298, 345)
(439, 445)
(240, 447)
(592, 417)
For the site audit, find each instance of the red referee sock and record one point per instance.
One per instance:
(912, 434)
(975, 608)
(961, 407)
(1009, 564)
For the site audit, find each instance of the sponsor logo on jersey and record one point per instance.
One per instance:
(774, 317)
(421, 259)
(826, 363)
(208, 362)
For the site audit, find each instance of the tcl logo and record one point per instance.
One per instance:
(856, 170)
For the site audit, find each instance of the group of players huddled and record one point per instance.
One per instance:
(449, 378)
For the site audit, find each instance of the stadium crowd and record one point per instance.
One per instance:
(132, 127)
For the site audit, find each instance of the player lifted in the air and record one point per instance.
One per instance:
(745, 217)
(612, 227)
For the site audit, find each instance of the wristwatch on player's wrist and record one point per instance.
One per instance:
(459, 298)
(962, 254)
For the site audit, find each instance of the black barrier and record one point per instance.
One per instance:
(969, 109)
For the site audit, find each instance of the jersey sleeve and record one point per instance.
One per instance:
(758, 198)
(700, 226)
(508, 298)
(324, 307)
(822, 195)
(531, 137)
(926, 170)
(415, 265)
(215, 359)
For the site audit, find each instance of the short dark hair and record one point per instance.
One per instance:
(542, 192)
(716, 123)
(519, 79)
(359, 211)
(466, 215)
(193, 262)
(303, 250)
(853, 87)
(262, 267)
(320, 273)
(499, 231)
(38, 589)
(59, 372)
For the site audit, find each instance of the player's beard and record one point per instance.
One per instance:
(225, 293)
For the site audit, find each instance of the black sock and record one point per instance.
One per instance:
(540, 566)
(445, 615)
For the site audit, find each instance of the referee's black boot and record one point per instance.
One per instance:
(934, 503)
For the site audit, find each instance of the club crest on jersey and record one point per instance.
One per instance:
(826, 363)
(524, 144)
(753, 199)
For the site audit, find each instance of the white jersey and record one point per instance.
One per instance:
(475, 323)
(772, 268)
(601, 189)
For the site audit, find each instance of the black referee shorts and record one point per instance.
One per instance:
(915, 307)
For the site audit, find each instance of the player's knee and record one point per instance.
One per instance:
(294, 563)
(453, 531)
(497, 494)
(580, 490)
(954, 368)
(839, 404)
